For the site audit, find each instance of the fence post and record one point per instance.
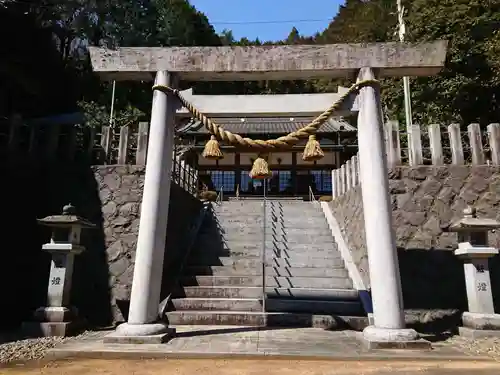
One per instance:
(183, 174)
(338, 182)
(106, 142)
(393, 144)
(33, 140)
(415, 144)
(72, 144)
(348, 177)
(494, 141)
(142, 143)
(342, 179)
(476, 144)
(334, 184)
(16, 121)
(436, 144)
(195, 185)
(457, 151)
(123, 145)
(53, 141)
(354, 172)
(91, 144)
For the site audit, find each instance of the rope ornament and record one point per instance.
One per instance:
(312, 150)
(260, 169)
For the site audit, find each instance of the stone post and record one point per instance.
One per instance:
(388, 330)
(143, 325)
(58, 318)
(480, 320)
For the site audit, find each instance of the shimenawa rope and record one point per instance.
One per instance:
(270, 144)
(260, 169)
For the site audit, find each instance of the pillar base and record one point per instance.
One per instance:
(387, 338)
(152, 333)
(479, 325)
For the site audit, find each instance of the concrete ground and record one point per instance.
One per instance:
(252, 367)
(197, 342)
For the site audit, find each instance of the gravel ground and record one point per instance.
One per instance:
(12, 348)
(489, 346)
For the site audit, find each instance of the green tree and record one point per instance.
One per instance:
(467, 90)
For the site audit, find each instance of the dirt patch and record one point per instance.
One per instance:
(250, 367)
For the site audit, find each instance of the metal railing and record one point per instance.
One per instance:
(312, 197)
(189, 239)
(263, 256)
(220, 196)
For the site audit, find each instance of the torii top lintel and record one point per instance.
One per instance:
(278, 62)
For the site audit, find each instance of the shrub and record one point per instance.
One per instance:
(208, 195)
(325, 198)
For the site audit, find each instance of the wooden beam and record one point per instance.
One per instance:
(280, 62)
(285, 105)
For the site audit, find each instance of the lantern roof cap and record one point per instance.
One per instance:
(470, 222)
(67, 218)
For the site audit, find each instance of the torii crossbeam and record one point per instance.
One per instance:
(284, 62)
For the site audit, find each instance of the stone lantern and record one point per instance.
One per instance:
(480, 320)
(58, 318)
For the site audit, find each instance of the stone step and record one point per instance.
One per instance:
(297, 216)
(276, 281)
(256, 292)
(270, 271)
(259, 319)
(276, 215)
(220, 304)
(271, 252)
(210, 247)
(272, 305)
(313, 306)
(256, 262)
(291, 237)
(246, 230)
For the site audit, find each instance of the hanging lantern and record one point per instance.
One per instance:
(260, 169)
(212, 150)
(312, 151)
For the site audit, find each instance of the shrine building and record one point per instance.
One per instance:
(254, 116)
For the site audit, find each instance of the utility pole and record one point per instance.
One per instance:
(112, 111)
(406, 80)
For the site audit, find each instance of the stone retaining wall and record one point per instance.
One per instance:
(425, 200)
(110, 197)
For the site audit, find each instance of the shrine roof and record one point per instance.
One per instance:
(271, 125)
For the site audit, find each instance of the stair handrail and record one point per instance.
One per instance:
(312, 198)
(220, 196)
(191, 239)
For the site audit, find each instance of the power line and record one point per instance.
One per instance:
(52, 6)
(267, 22)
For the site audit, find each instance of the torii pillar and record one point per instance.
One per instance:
(271, 63)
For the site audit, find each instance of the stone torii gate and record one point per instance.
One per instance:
(285, 62)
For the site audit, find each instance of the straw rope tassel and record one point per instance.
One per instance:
(260, 169)
(312, 151)
(212, 150)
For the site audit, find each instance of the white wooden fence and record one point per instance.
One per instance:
(74, 142)
(431, 145)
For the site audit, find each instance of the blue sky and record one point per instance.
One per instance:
(251, 18)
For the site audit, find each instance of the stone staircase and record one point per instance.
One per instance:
(306, 282)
